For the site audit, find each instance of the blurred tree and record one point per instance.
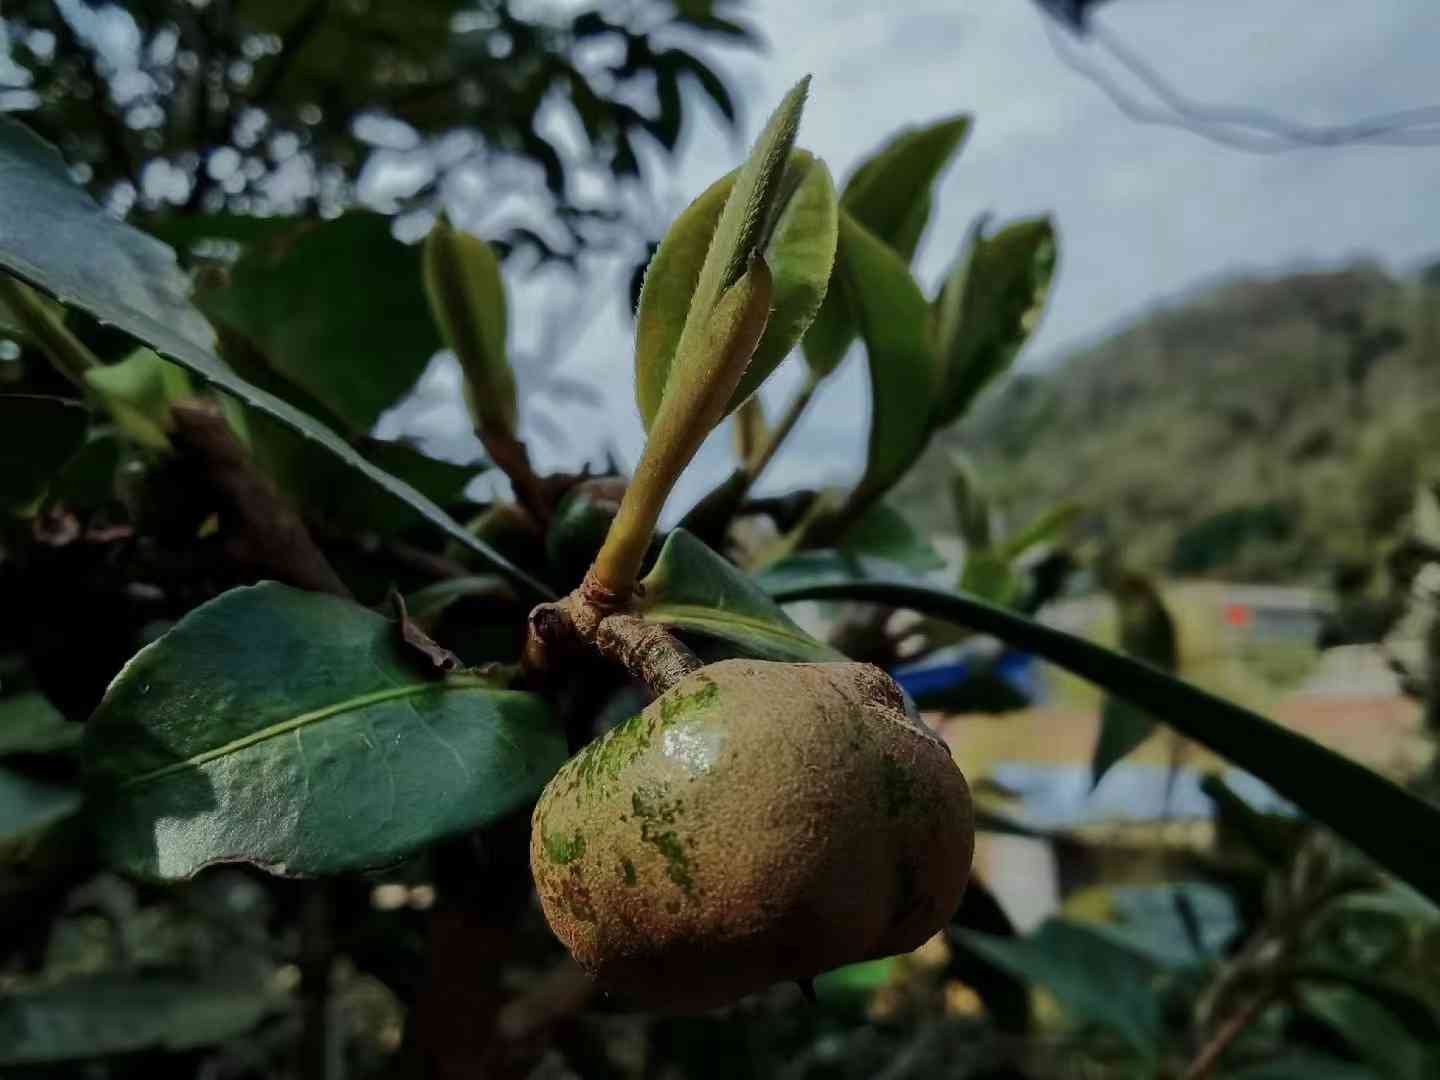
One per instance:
(260, 106)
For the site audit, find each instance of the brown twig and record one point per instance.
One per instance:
(513, 459)
(1228, 1031)
(590, 619)
(648, 651)
(272, 536)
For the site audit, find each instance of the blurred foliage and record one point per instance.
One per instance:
(1268, 429)
(258, 107)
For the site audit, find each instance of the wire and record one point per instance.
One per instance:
(1240, 127)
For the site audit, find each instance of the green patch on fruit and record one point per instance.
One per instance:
(627, 871)
(677, 863)
(596, 769)
(655, 813)
(675, 705)
(562, 849)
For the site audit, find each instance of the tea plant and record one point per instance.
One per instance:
(197, 517)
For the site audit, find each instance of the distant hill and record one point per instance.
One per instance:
(1268, 428)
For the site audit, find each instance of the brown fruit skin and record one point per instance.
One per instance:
(760, 822)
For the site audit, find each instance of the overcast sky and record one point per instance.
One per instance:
(1143, 212)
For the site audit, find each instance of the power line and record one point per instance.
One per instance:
(1240, 127)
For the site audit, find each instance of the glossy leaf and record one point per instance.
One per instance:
(100, 1015)
(883, 533)
(1147, 632)
(891, 193)
(1396, 828)
(294, 731)
(29, 724)
(891, 314)
(467, 299)
(27, 806)
(38, 435)
(693, 589)
(54, 236)
(338, 308)
(800, 252)
(138, 393)
(1096, 980)
(991, 301)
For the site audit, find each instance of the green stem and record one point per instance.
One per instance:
(711, 516)
(63, 349)
(693, 404)
(762, 458)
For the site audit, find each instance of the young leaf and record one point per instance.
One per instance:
(38, 435)
(891, 194)
(1396, 828)
(54, 236)
(990, 302)
(338, 309)
(891, 313)
(692, 406)
(295, 731)
(693, 589)
(800, 252)
(467, 299)
(1147, 632)
(138, 392)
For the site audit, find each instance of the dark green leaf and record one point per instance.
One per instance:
(828, 566)
(99, 1015)
(1147, 633)
(1408, 1006)
(1372, 1031)
(293, 730)
(432, 600)
(138, 393)
(799, 252)
(27, 806)
(1096, 980)
(338, 308)
(891, 312)
(329, 492)
(883, 533)
(38, 435)
(1396, 828)
(29, 724)
(695, 590)
(54, 236)
(88, 479)
(1123, 728)
(987, 308)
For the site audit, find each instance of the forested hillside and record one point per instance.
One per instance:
(1265, 428)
